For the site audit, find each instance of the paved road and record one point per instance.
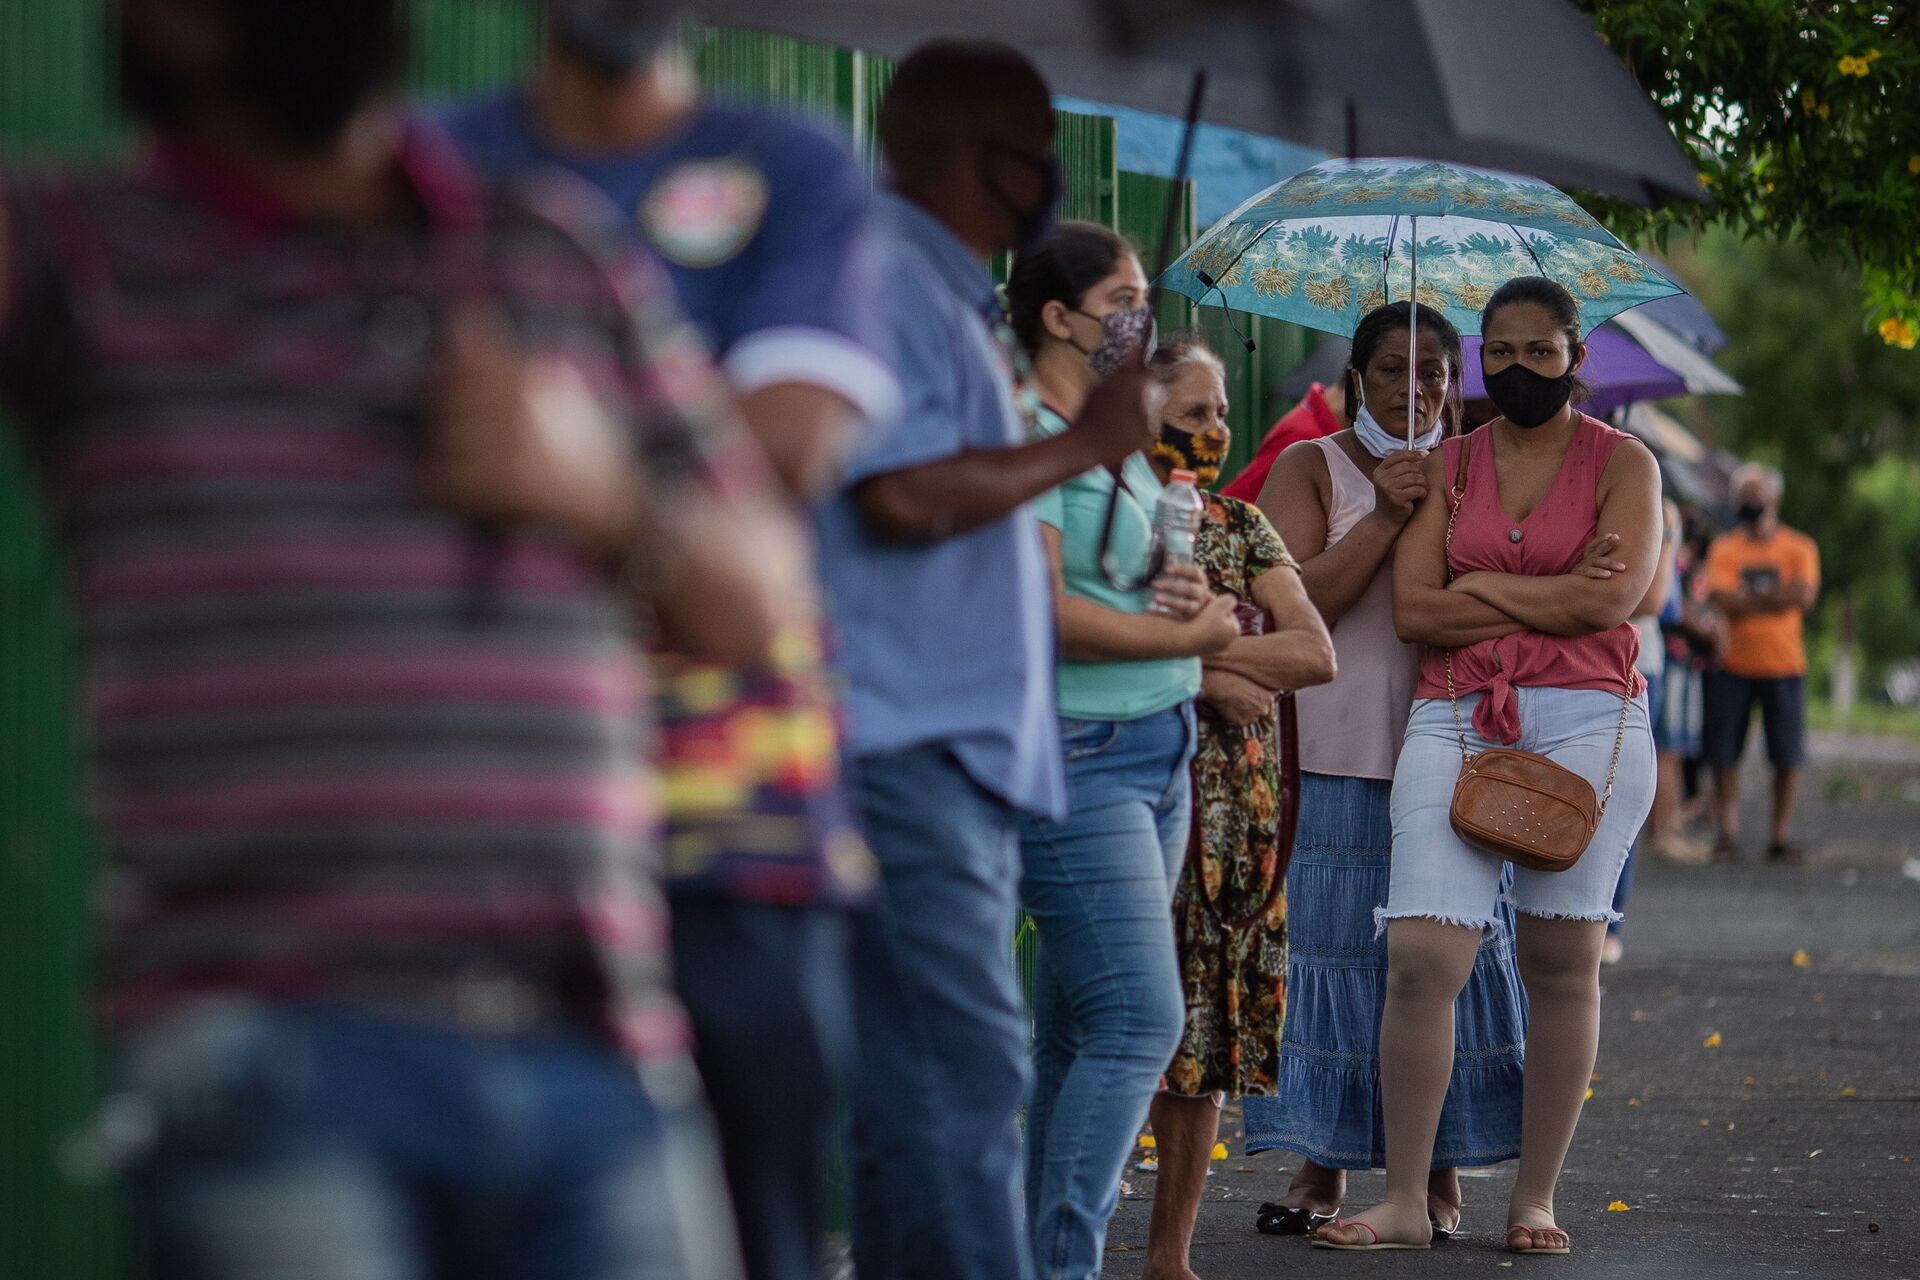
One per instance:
(1791, 1149)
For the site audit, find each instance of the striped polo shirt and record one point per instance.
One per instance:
(346, 745)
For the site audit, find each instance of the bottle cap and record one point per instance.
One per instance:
(1185, 477)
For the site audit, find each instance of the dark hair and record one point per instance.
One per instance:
(947, 92)
(1381, 323)
(1073, 258)
(1552, 297)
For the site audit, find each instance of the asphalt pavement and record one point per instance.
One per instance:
(1756, 1105)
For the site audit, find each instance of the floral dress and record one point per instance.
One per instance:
(1235, 978)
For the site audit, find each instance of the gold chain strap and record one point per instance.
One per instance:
(1459, 495)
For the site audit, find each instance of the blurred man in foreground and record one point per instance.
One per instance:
(940, 587)
(762, 223)
(361, 469)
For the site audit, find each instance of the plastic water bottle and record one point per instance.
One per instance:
(1176, 518)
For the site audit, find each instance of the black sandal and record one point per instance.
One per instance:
(1285, 1220)
(1440, 1232)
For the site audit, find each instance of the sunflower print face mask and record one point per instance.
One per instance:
(1201, 452)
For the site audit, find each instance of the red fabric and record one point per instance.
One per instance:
(1554, 540)
(1308, 420)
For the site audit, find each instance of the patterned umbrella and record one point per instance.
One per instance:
(1332, 243)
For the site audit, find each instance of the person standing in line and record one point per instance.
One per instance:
(762, 223)
(1652, 666)
(1344, 501)
(1695, 633)
(1320, 413)
(1764, 577)
(1528, 644)
(937, 580)
(362, 466)
(1098, 882)
(1229, 909)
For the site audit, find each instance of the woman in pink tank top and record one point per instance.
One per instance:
(1556, 536)
(1345, 500)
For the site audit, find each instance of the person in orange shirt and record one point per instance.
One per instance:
(1764, 577)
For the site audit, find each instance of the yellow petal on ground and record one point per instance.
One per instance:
(1633, 1102)
(1801, 959)
(1589, 1095)
(1750, 1082)
(1849, 1092)
(1147, 1142)
(1219, 1151)
(1823, 1077)
(1619, 1206)
(1713, 1041)
(1703, 1123)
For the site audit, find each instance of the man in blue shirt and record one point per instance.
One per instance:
(940, 590)
(762, 222)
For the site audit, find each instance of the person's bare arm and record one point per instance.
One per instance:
(976, 487)
(1424, 611)
(1296, 497)
(805, 431)
(1662, 586)
(1091, 632)
(1573, 604)
(1296, 653)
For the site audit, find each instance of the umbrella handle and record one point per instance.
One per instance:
(1413, 328)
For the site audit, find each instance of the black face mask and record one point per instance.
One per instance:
(614, 36)
(1751, 513)
(1528, 399)
(1030, 226)
(300, 68)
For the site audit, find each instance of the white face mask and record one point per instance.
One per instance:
(1380, 442)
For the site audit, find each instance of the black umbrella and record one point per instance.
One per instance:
(1524, 85)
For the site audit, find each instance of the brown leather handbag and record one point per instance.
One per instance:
(1519, 805)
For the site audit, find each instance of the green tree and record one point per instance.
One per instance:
(1804, 121)
(1837, 411)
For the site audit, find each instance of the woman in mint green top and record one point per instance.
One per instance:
(1107, 1001)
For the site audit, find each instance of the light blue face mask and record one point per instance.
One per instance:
(1380, 442)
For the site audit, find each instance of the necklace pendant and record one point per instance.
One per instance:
(1514, 535)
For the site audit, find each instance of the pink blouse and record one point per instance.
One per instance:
(1552, 540)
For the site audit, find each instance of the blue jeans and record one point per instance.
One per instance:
(766, 987)
(327, 1142)
(936, 1142)
(1108, 1007)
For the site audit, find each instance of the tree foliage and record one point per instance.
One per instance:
(1836, 410)
(1804, 121)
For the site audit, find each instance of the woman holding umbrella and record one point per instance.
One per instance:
(1537, 537)
(1342, 503)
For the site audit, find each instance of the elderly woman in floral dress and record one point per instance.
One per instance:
(1229, 912)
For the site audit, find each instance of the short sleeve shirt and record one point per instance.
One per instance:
(948, 642)
(1078, 509)
(345, 743)
(1763, 646)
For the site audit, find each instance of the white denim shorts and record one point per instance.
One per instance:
(1436, 875)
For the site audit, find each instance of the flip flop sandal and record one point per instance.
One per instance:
(1286, 1220)
(1321, 1242)
(1443, 1233)
(1518, 1226)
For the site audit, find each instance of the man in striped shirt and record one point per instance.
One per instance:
(350, 455)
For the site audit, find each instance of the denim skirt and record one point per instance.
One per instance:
(1327, 1103)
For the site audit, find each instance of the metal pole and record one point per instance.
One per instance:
(1413, 328)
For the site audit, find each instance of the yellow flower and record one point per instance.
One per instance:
(1147, 1142)
(1619, 1206)
(1826, 109)
(1873, 55)
(1896, 332)
(1713, 1041)
(1219, 1151)
(1853, 67)
(1807, 100)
